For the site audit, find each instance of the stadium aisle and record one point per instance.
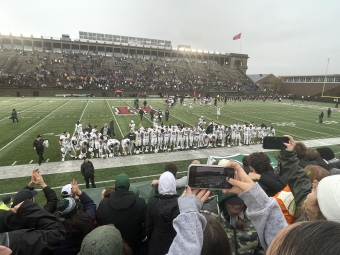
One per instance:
(74, 165)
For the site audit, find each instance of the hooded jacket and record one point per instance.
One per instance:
(32, 231)
(162, 210)
(243, 241)
(127, 212)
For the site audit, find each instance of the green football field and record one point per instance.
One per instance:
(49, 117)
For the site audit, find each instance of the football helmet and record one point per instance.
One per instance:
(46, 144)
(81, 155)
(90, 149)
(110, 155)
(62, 149)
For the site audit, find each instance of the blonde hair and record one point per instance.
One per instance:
(316, 172)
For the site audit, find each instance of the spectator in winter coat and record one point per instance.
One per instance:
(77, 223)
(28, 192)
(126, 211)
(31, 230)
(162, 210)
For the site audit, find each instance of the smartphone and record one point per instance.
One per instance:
(274, 142)
(209, 177)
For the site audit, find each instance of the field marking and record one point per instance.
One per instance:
(33, 126)
(115, 118)
(23, 111)
(47, 160)
(300, 113)
(83, 184)
(14, 163)
(134, 112)
(30, 161)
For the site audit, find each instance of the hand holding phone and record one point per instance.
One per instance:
(275, 142)
(241, 181)
(209, 177)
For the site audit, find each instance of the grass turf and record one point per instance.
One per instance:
(51, 116)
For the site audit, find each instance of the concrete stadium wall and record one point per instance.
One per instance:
(305, 89)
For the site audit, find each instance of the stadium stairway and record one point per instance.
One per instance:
(15, 171)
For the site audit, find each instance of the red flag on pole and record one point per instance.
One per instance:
(236, 37)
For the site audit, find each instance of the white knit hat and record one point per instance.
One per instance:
(328, 195)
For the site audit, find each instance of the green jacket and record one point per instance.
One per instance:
(298, 180)
(247, 242)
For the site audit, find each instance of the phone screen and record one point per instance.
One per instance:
(274, 142)
(209, 177)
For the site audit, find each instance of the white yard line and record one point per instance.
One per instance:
(115, 118)
(33, 126)
(47, 160)
(30, 161)
(14, 163)
(24, 110)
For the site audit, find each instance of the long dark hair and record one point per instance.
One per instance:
(75, 226)
(215, 239)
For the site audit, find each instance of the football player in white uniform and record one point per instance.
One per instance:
(132, 125)
(146, 139)
(180, 144)
(79, 127)
(218, 111)
(138, 141)
(75, 144)
(201, 122)
(153, 139)
(246, 135)
(167, 134)
(112, 147)
(191, 136)
(196, 138)
(201, 137)
(173, 134)
(190, 106)
(126, 146)
(65, 144)
(186, 132)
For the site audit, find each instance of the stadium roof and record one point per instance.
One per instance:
(257, 77)
(321, 75)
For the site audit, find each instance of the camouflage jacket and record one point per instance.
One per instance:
(247, 242)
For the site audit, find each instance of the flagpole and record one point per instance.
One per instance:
(324, 82)
(241, 44)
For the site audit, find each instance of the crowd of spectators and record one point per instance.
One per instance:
(80, 71)
(294, 210)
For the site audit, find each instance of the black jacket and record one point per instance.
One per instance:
(127, 212)
(272, 183)
(317, 162)
(71, 244)
(32, 230)
(51, 199)
(38, 144)
(108, 131)
(87, 169)
(161, 211)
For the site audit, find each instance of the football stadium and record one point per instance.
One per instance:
(98, 133)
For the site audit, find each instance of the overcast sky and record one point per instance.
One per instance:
(291, 37)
